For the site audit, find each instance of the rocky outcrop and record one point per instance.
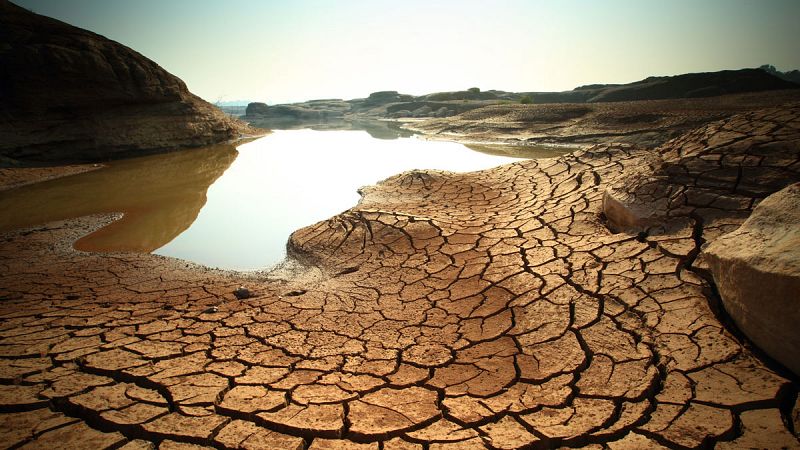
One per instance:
(296, 115)
(427, 109)
(256, 109)
(642, 123)
(385, 97)
(67, 94)
(713, 175)
(594, 113)
(757, 271)
(710, 180)
(791, 75)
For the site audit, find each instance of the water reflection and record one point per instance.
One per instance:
(291, 179)
(180, 204)
(160, 196)
(378, 129)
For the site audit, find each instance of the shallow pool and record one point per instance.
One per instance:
(233, 208)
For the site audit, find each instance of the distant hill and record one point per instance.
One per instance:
(394, 105)
(694, 85)
(690, 85)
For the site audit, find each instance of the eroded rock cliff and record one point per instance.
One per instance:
(67, 94)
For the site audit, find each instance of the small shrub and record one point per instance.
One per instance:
(526, 100)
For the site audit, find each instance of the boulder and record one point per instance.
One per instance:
(67, 94)
(757, 271)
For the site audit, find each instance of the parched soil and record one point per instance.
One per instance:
(495, 309)
(644, 123)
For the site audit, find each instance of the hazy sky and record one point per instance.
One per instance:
(278, 51)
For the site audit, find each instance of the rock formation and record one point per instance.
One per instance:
(501, 112)
(757, 271)
(487, 310)
(713, 176)
(255, 109)
(67, 94)
(646, 124)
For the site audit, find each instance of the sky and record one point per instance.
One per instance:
(295, 50)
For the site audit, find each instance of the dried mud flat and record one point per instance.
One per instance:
(496, 309)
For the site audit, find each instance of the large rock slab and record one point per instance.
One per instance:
(67, 94)
(710, 178)
(757, 271)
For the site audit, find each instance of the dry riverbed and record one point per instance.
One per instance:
(497, 309)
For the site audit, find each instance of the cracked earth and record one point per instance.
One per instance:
(546, 303)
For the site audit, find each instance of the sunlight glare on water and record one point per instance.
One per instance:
(291, 179)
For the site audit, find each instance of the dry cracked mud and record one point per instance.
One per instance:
(499, 309)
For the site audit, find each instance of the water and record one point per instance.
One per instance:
(292, 179)
(228, 210)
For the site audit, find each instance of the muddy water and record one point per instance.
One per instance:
(228, 209)
(160, 196)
